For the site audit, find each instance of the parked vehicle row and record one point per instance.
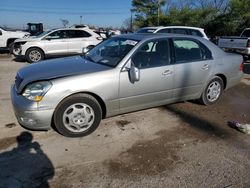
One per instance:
(239, 44)
(122, 74)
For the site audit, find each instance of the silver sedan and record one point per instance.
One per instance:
(122, 74)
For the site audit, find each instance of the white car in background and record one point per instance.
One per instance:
(64, 41)
(184, 30)
(7, 37)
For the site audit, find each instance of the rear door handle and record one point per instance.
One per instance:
(167, 72)
(205, 67)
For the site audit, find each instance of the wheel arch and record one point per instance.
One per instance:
(97, 97)
(224, 79)
(9, 41)
(34, 47)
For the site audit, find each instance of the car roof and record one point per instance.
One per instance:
(148, 36)
(166, 27)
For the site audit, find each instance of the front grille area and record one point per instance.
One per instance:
(18, 81)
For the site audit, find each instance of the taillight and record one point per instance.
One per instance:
(248, 44)
(242, 66)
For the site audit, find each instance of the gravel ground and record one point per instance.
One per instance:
(178, 145)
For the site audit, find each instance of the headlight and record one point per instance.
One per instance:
(37, 90)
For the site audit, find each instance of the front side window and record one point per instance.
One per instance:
(188, 50)
(152, 54)
(111, 51)
(146, 30)
(60, 34)
(196, 33)
(164, 31)
(180, 31)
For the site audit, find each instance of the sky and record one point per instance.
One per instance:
(100, 13)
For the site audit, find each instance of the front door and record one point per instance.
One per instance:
(55, 43)
(156, 78)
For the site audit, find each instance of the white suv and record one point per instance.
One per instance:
(7, 37)
(185, 30)
(65, 41)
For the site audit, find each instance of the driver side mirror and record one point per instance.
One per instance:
(134, 73)
(47, 38)
(1, 33)
(87, 49)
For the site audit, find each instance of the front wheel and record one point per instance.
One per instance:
(212, 92)
(34, 55)
(77, 115)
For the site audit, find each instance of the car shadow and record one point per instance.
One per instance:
(198, 123)
(19, 60)
(26, 165)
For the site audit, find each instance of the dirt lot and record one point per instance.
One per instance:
(179, 145)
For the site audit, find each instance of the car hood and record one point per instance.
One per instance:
(29, 39)
(20, 34)
(56, 68)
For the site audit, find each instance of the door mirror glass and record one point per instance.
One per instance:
(134, 74)
(1, 33)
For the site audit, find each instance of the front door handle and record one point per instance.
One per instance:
(167, 72)
(205, 67)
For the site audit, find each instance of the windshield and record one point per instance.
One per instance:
(111, 51)
(146, 30)
(43, 34)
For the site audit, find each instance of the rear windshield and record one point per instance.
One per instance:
(146, 30)
(246, 33)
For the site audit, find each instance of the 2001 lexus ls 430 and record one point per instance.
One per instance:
(122, 74)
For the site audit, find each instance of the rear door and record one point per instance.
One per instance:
(156, 78)
(79, 39)
(193, 67)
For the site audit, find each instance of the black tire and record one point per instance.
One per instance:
(207, 98)
(10, 47)
(38, 55)
(64, 125)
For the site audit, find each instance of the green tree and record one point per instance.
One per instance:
(217, 17)
(147, 12)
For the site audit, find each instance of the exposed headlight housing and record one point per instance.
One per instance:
(36, 91)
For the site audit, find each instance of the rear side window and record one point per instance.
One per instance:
(187, 50)
(78, 34)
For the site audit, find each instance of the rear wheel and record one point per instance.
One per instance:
(77, 115)
(212, 92)
(34, 55)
